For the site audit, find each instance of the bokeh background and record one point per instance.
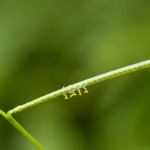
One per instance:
(45, 45)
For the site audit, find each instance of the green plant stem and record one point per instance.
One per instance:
(76, 86)
(3, 114)
(21, 130)
(93, 80)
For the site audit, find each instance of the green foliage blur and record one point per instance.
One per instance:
(45, 45)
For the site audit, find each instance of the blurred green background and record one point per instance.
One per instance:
(45, 45)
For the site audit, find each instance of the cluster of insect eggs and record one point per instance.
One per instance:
(72, 93)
